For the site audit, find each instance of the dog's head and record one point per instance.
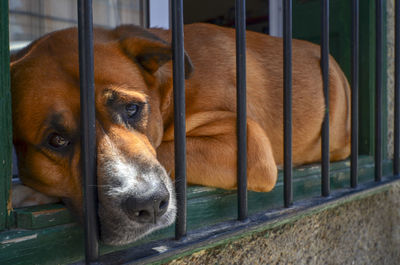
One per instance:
(133, 89)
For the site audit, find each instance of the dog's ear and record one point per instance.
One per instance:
(151, 55)
(147, 49)
(15, 56)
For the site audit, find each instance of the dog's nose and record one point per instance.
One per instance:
(147, 208)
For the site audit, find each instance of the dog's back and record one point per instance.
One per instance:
(213, 87)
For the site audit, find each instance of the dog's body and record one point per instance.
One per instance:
(134, 111)
(211, 107)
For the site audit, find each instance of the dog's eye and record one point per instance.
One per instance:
(132, 109)
(57, 141)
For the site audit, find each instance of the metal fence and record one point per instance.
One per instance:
(226, 229)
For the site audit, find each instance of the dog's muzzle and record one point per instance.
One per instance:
(136, 197)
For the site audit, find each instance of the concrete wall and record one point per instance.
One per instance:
(365, 231)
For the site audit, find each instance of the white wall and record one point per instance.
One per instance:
(276, 18)
(159, 13)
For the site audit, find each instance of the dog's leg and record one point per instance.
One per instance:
(212, 153)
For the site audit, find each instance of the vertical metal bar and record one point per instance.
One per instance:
(240, 23)
(325, 77)
(88, 129)
(354, 94)
(396, 155)
(179, 115)
(378, 90)
(287, 103)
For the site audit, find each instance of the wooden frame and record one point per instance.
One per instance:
(5, 118)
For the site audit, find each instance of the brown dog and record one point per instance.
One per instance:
(134, 111)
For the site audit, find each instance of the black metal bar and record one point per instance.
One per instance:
(325, 183)
(179, 115)
(378, 90)
(287, 104)
(88, 129)
(240, 23)
(396, 155)
(354, 92)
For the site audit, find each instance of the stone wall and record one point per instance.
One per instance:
(365, 231)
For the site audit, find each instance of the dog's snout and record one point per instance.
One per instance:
(147, 208)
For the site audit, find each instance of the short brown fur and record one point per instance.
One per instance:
(47, 73)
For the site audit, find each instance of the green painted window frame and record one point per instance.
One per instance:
(47, 234)
(306, 25)
(5, 118)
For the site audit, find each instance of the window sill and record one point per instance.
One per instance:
(50, 228)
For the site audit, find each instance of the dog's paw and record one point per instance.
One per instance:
(262, 177)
